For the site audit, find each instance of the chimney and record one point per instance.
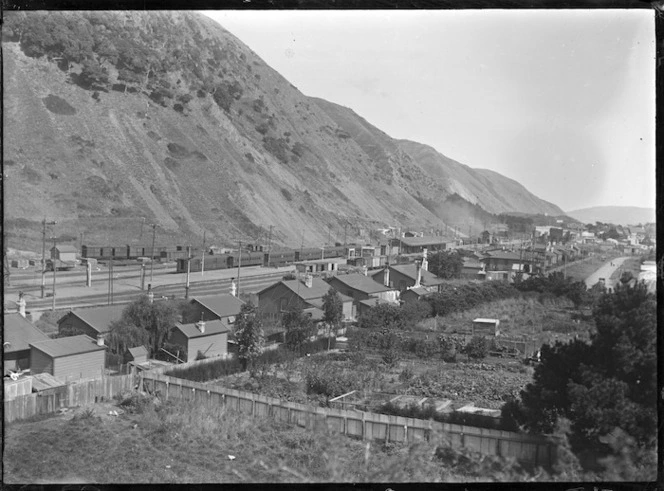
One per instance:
(365, 270)
(150, 293)
(425, 262)
(418, 271)
(386, 275)
(201, 326)
(20, 305)
(308, 281)
(233, 287)
(100, 340)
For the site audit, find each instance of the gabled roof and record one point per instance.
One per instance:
(72, 345)
(318, 288)
(410, 270)
(98, 318)
(316, 313)
(423, 241)
(361, 283)
(419, 291)
(65, 248)
(470, 262)
(19, 332)
(211, 327)
(138, 351)
(223, 305)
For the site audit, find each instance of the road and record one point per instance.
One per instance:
(126, 287)
(605, 271)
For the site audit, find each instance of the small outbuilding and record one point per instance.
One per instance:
(74, 357)
(486, 327)
(209, 338)
(136, 355)
(18, 332)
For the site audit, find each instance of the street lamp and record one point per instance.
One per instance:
(43, 278)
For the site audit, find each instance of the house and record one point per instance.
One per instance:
(137, 355)
(416, 245)
(305, 293)
(73, 357)
(213, 307)
(404, 276)
(208, 338)
(330, 265)
(64, 252)
(505, 262)
(18, 333)
(369, 303)
(91, 321)
(360, 287)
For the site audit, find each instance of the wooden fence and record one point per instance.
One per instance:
(528, 449)
(71, 395)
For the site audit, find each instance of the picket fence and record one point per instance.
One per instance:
(71, 395)
(528, 449)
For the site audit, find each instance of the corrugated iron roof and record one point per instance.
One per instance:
(98, 318)
(372, 302)
(223, 305)
(19, 332)
(211, 327)
(423, 241)
(138, 351)
(72, 345)
(45, 381)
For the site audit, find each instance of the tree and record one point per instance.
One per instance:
(156, 319)
(249, 335)
(477, 348)
(607, 384)
(445, 264)
(123, 336)
(332, 312)
(299, 327)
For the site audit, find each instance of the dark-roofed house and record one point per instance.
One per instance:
(279, 297)
(91, 321)
(209, 338)
(471, 269)
(73, 357)
(414, 294)
(360, 287)
(213, 307)
(18, 333)
(404, 276)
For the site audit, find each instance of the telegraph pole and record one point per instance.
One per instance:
(239, 264)
(43, 278)
(54, 269)
(186, 285)
(203, 258)
(269, 247)
(154, 231)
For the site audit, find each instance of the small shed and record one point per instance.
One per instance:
(210, 338)
(74, 357)
(136, 355)
(64, 252)
(486, 327)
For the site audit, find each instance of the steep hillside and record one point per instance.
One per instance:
(619, 215)
(115, 120)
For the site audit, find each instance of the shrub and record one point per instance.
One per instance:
(477, 348)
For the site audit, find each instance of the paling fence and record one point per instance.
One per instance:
(528, 449)
(71, 395)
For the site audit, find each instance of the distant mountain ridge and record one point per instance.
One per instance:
(118, 120)
(619, 215)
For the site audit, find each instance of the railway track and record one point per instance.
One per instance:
(250, 284)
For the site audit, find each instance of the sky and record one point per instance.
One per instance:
(562, 101)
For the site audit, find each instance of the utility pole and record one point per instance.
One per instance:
(43, 279)
(54, 268)
(345, 236)
(239, 265)
(203, 258)
(186, 285)
(269, 247)
(110, 281)
(154, 231)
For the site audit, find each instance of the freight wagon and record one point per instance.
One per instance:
(124, 252)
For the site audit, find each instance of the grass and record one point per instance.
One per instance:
(187, 443)
(580, 270)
